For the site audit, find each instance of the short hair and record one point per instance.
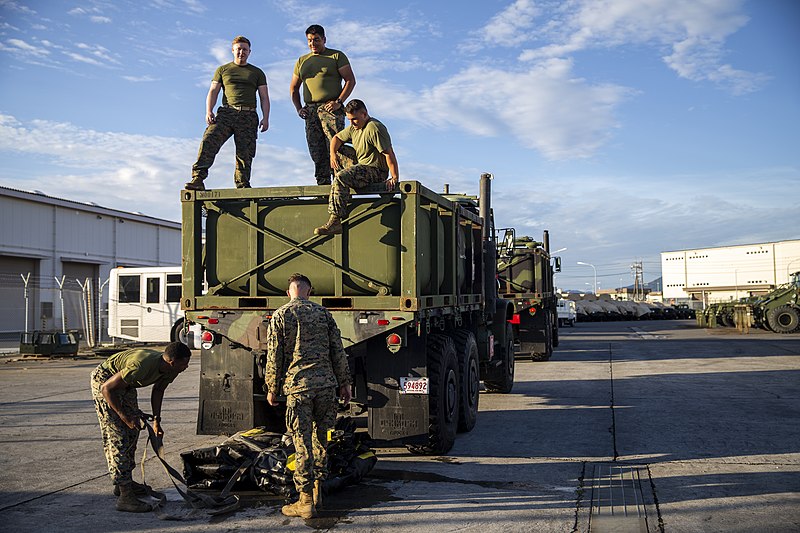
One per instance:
(241, 39)
(355, 105)
(177, 350)
(315, 29)
(299, 278)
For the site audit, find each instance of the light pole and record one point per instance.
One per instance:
(595, 274)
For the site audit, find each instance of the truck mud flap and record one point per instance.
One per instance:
(230, 399)
(396, 415)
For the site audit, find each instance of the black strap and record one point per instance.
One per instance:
(213, 505)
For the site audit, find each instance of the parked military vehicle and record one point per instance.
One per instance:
(779, 310)
(411, 283)
(525, 275)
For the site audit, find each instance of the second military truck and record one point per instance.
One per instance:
(410, 282)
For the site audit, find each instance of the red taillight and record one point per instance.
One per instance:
(514, 319)
(213, 320)
(207, 336)
(394, 340)
(383, 322)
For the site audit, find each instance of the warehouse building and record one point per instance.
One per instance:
(725, 273)
(50, 247)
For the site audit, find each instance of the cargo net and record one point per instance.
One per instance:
(271, 459)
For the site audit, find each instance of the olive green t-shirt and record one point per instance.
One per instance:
(369, 143)
(239, 83)
(139, 367)
(320, 75)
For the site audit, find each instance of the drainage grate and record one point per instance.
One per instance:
(619, 502)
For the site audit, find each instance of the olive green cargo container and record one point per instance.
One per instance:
(526, 279)
(409, 262)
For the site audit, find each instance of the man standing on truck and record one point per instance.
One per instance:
(321, 73)
(370, 160)
(305, 361)
(239, 82)
(114, 383)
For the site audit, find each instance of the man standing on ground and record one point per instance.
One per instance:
(321, 73)
(370, 160)
(239, 82)
(305, 361)
(114, 383)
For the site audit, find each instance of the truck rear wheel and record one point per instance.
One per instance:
(178, 332)
(783, 319)
(506, 381)
(443, 389)
(469, 379)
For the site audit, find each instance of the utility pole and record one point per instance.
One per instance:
(638, 281)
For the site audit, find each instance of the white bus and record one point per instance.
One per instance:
(144, 305)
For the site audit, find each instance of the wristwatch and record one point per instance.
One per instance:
(339, 101)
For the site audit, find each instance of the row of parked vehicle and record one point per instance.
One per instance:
(601, 310)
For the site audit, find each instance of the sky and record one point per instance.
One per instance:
(624, 127)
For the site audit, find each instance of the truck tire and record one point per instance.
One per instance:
(178, 332)
(549, 341)
(506, 381)
(783, 319)
(468, 379)
(442, 396)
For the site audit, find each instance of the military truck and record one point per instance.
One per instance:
(779, 311)
(526, 279)
(410, 283)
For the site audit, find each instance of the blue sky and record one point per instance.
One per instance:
(625, 127)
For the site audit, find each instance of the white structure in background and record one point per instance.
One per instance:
(566, 312)
(53, 239)
(727, 272)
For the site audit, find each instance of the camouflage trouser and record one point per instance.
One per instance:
(309, 416)
(119, 441)
(243, 125)
(353, 175)
(321, 126)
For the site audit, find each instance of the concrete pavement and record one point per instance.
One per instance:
(707, 420)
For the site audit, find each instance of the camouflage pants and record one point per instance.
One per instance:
(243, 125)
(353, 176)
(309, 416)
(119, 441)
(321, 126)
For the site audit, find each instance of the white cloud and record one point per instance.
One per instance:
(221, 50)
(511, 25)
(23, 50)
(544, 107)
(357, 37)
(111, 168)
(16, 6)
(695, 32)
(98, 19)
(140, 79)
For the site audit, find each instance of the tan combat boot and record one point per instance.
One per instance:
(129, 503)
(304, 507)
(141, 489)
(317, 495)
(332, 227)
(195, 185)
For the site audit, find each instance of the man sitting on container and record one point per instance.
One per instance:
(370, 160)
(305, 361)
(114, 383)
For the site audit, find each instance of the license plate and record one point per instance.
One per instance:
(413, 385)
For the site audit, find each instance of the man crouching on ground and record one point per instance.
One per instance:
(114, 384)
(305, 359)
